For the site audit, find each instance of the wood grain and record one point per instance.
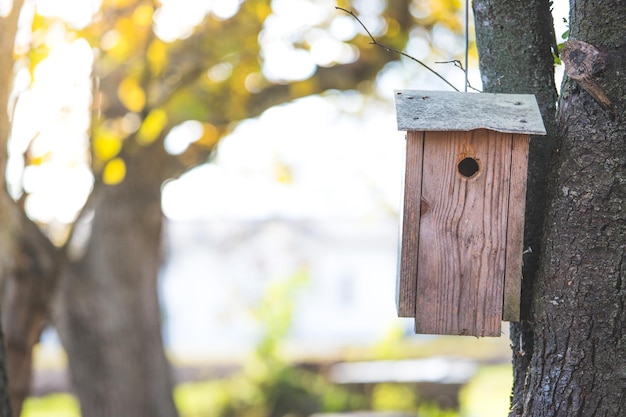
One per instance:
(515, 228)
(406, 284)
(462, 234)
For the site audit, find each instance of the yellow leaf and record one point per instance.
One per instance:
(131, 95)
(39, 159)
(210, 136)
(157, 56)
(282, 172)
(114, 171)
(238, 82)
(152, 127)
(106, 145)
(35, 56)
(302, 88)
(131, 37)
(345, 4)
(445, 13)
(35, 160)
(143, 15)
(39, 22)
(262, 11)
(118, 3)
(393, 28)
(124, 43)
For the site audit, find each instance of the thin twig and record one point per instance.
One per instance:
(390, 49)
(458, 64)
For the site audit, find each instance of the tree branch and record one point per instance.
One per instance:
(459, 65)
(582, 62)
(390, 49)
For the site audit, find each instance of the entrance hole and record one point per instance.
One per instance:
(468, 167)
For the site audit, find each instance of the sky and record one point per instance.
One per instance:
(348, 166)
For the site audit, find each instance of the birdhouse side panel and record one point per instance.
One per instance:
(515, 231)
(405, 288)
(462, 235)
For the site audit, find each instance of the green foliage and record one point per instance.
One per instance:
(394, 397)
(280, 388)
(431, 410)
(393, 346)
(269, 386)
(55, 405)
(405, 398)
(488, 393)
(291, 391)
(275, 313)
(564, 36)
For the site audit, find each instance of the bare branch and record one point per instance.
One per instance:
(390, 49)
(459, 65)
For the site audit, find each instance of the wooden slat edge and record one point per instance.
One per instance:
(407, 276)
(515, 229)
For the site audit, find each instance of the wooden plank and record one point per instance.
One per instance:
(405, 286)
(515, 229)
(463, 227)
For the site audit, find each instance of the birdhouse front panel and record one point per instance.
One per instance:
(462, 237)
(463, 209)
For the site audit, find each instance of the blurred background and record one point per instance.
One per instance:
(265, 132)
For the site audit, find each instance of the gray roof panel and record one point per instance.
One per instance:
(456, 111)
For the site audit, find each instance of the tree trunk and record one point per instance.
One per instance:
(5, 401)
(26, 298)
(109, 313)
(571, 357)
(578, 366)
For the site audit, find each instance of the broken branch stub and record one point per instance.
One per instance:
(582, 62)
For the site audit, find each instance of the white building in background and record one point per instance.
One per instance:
(217, 272)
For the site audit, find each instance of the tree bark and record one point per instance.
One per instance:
(579, 363)
(515, 43)
(109, 317)
(571, 358)
(31, 282)
(5, 400)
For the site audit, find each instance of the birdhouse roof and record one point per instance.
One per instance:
(456, 111)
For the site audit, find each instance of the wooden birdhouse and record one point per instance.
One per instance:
(460, 265)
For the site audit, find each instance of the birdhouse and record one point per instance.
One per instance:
(460, 265)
